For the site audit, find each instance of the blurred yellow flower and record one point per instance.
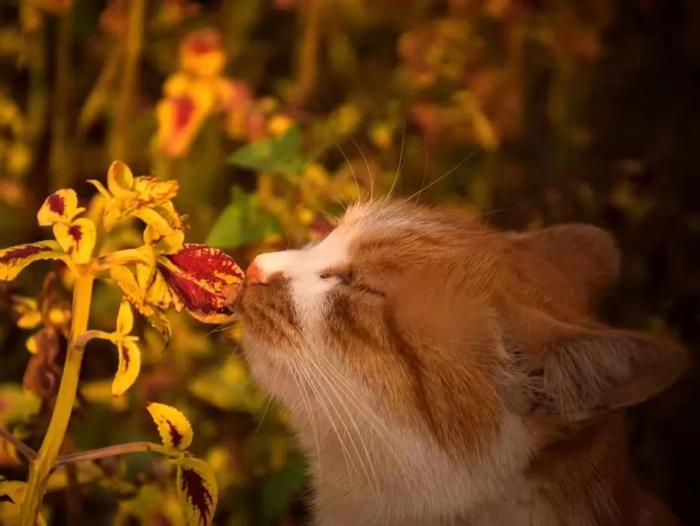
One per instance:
(202, 53)
(187, 103)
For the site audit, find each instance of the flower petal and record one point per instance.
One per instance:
(129, 365)
(125, 318)
(100, 188)
(77, 238)
(155, 192)
(202, 53)
(60, 206)
(187, 102)
(197, 491)
(173, 427)
(26, 311)
(126, 281)
(14, 259)
(205, 279)
(119, 179)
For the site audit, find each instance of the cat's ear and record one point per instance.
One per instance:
(586, 255)
(577, 372)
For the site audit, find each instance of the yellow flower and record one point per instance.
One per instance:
(144, 197)
(187, 103)
(128, 351)
(201, 279)
(76, 237)
(279, 124)
(27, 312)
(202, 53)
(60, 207)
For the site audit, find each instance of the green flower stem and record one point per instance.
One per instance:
(40, 469)
(113, 451)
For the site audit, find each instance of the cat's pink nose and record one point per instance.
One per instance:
(256, 275)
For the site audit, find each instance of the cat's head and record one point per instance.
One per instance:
(444, 325)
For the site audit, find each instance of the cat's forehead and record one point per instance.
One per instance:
(402, 230)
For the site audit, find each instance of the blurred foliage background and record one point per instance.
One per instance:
(531, 112)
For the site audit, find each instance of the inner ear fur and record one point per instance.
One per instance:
(580, 371)
(586, 255)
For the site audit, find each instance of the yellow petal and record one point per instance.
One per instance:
(31, 344)
(180, 118)
(60, 206)
(119, 179)
(59, 316)
(155, 192)
(129, 365)
(196, 490)
(126, 281)
(27, 312)
(100, 188)
(202, 53)
(14, 259)
(159, 294)
(125, 318)
(173, 427)
(77, 238)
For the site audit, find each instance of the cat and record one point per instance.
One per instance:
(440, 372)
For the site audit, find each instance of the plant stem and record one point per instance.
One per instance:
(41, 467)
(61, 154)
(23, 448)
(307, 54)
(111, 451)
(132, 47)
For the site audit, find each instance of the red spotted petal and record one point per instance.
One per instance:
(205, 279)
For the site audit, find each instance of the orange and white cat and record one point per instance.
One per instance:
(440, 372)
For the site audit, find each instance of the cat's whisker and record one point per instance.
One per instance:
(361, 406)
(370, 174)
(400, 165)
(270, 401)
(442, 177)
(352, 171)
(312, 418)
(333, 388)
(320, 394)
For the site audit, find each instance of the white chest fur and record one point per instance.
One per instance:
(368, 472)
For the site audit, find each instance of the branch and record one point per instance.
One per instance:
(111, 451)
(23, 448)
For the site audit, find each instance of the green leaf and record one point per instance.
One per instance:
(242, 222)
(281, 488)
(280, 154)
(227, 386)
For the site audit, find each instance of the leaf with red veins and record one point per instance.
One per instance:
(14, 259)
(205, 279)
(197, 491)
(173, 427)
